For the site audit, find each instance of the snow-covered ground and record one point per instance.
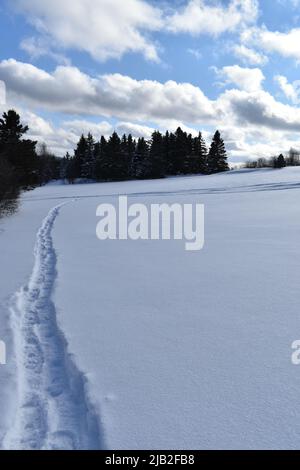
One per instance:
(141, 344)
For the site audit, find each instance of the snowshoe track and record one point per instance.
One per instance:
(53, 409)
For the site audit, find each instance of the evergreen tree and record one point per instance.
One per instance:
(199, 155)
(87, 169)
(156, 163)
(124, 160)
(63, 166)
(114, 158)
(80, 158)
(140, 167)
(131, 146)
(103, 170)
(11, 128)
(189, 164)
(171, 155)
(217, 157)
(181, 151)
(19, 154)
(72, 170)
(279, 162)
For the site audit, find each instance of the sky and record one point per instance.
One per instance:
(74, 66)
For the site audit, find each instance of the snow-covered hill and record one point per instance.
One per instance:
(169, 348)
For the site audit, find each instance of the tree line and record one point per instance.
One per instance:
(25, 164)
(123, 158)
(291, 159)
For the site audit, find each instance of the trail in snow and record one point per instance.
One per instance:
(53, 410)
(261, 187)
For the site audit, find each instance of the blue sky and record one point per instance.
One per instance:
(77, 65)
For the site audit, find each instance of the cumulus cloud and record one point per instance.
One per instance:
(117, 96)
(291, 90)
(285, 44)
(249, 56)
(103, 28)
(108, 29)
(248, 116)
(244, 78)
(259, 109)
(202, 17)
(69, 90)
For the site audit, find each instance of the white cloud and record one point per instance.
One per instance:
(108, 29)
(69, 90)
(258, 109)
(252, 120)
(38, 47)
(290, 90)
(103, 28)
(249, 56)
(244, 78)
(284, 43)
(136, 130)
(202, 17)
(81, 126)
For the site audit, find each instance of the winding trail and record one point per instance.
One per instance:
(53, 409)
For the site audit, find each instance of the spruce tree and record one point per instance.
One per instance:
(188, 164)
(170, 165)
(199, 155)
(156, 163)
(87, 169)
(114, 158)
(131, 145)
(103, 165)
(19, 154)
(140, 167)
(280, 162)
(11, 128)
(78, 167)
(181, 150)
(217, 157)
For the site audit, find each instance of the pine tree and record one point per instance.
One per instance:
(156, 163)
(19, 154)
(103, 165)
(88, 158)
(199, 155)
(80, 158)
(166, 151)
(124, 160)
(188, 165)
(217, 157)
(114, 158)
(180, 151)
(279, 162)
(140, 167)
(11, 129)
(171, 155)
(72, 170)
(131, 146)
